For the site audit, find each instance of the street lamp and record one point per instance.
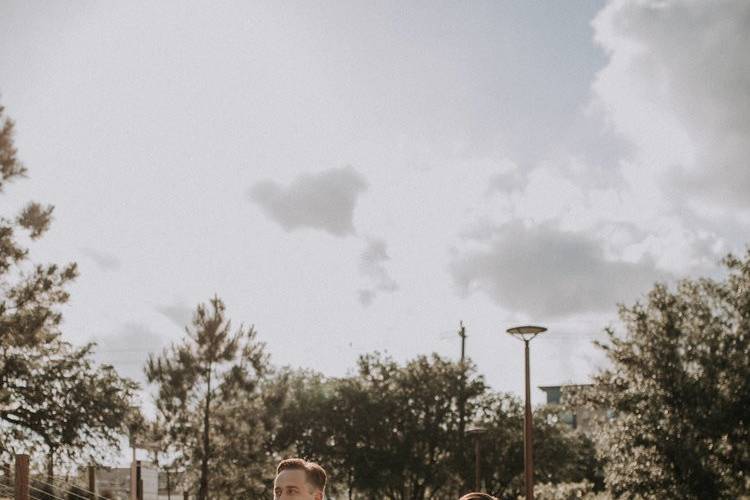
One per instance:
(527, 333)
(477, 432)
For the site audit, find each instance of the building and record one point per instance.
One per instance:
(171, 485)
(578, 418)
(114, 482)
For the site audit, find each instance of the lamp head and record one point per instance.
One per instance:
(527, 332)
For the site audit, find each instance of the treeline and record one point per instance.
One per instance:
(672, 408)
(391, 431)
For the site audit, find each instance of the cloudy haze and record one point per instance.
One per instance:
(353, 176)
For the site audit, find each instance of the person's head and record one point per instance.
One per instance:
(298, 479)
(477, 496)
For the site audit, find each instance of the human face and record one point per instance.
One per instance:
(291, 484)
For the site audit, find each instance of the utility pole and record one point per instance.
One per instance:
(462, 389)
(477, 433)
(462, 334)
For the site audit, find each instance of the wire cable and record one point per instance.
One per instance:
(46, 493)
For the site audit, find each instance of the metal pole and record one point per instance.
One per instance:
(477, 465)
(169, 487)
(528, 458)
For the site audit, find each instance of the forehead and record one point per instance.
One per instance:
(291, 477)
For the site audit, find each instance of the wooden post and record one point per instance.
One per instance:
(22, 477)
(133, 481)
(139, 481)
(169, 487)
(477, 465)
(92, 482)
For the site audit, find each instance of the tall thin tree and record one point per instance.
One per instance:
(195, 376)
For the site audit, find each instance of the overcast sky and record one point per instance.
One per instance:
(352, 176)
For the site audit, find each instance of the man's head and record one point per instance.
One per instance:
(477, 496)
(298, 479)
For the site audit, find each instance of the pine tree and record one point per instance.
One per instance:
(29, 294)
(210, 368)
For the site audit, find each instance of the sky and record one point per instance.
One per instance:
(359, 176)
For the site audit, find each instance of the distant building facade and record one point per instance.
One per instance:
(581, 419)
(114, 482)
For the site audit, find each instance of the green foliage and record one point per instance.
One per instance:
(388, 431)
(679, 389)
(391, 431)
(70, 404)
(561, 454)
(411, 426)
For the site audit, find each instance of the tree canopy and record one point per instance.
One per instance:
(200, 378)
(392, 431)
(51, 394)
(678, 391)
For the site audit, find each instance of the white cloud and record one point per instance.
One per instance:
(547, 272)
(372, 265)
(323, 201)
(629, 216)
(677, 85)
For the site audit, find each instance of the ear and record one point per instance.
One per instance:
(318, 495)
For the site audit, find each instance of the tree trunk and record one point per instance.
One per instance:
(203, 491)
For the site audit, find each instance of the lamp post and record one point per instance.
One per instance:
(477, 432)
(527, 333)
